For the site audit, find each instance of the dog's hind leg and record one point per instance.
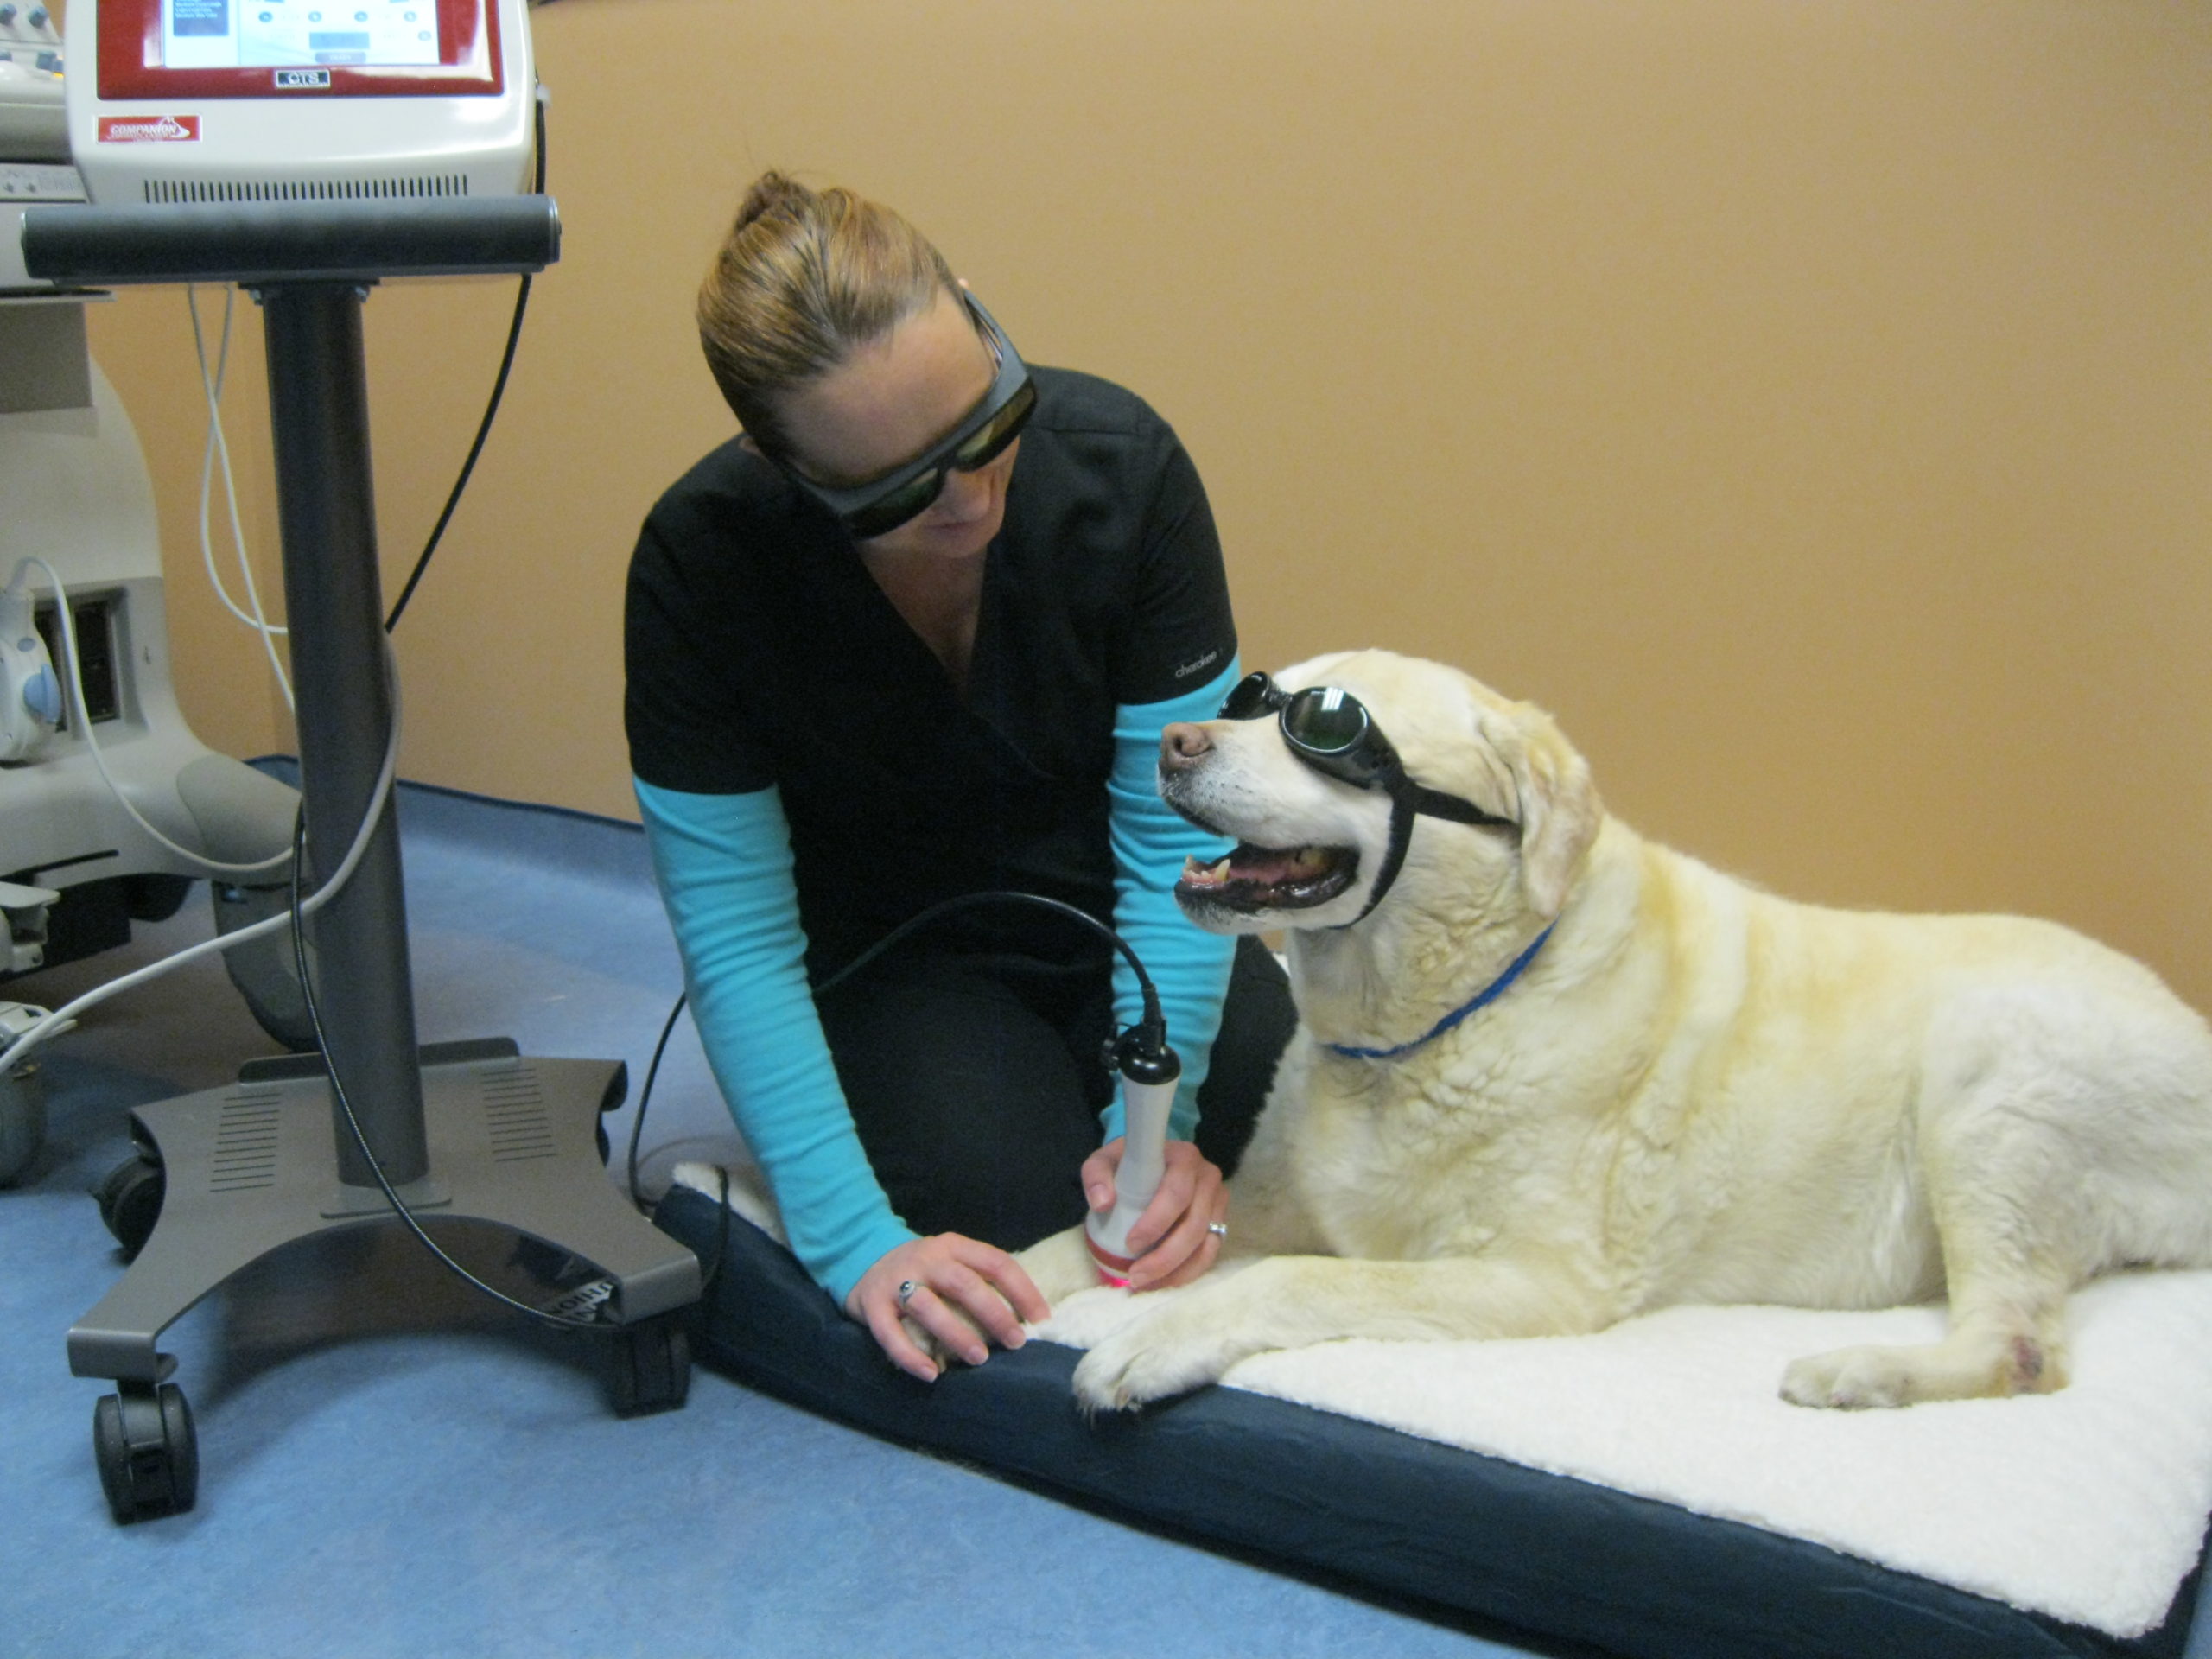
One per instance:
(1998, 1344)
(2004, 1181)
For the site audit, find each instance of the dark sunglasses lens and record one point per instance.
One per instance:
(887, 513)
(1325, 719)
(1248, 698)
(982, 447)
(989, 441)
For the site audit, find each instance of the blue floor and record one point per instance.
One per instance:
(391, 1466)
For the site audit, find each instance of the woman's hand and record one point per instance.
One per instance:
(965, 1291)
(1174, 1240)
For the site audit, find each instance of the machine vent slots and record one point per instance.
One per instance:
(245, 1140)
(514, 1113)
(167, 190)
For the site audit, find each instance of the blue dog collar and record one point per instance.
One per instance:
(1489, 994)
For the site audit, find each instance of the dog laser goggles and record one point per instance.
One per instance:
(905, 492)
(1330, 731)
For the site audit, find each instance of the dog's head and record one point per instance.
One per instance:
(1311, 847)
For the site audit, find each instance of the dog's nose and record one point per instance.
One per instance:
(1181, 746)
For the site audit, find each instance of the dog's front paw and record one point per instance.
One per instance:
(1168, 1352)
(1060, 1266)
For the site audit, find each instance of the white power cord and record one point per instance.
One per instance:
(53, 1022)
(75, 681)
(46, 1024)
(219, 447)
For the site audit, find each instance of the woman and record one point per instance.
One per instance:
(915, 635)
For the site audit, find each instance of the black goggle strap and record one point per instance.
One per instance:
(1436, 805)
(1408, 800)
(1394, 857)
(1431, 802)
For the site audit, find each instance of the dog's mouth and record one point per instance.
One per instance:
(1269, 878)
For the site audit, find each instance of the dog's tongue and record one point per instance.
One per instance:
(1268, 865)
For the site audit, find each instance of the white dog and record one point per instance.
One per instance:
(1549, 1075)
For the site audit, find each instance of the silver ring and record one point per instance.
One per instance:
(906, 1289)
(1219, 1230)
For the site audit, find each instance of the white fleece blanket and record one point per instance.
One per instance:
(2088, 1505)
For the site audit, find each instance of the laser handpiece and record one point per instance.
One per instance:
(1149, 1070)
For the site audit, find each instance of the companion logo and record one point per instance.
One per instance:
(149, 128)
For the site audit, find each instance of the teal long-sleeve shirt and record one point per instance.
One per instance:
(724, 865)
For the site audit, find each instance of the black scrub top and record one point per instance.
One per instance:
(759, 652)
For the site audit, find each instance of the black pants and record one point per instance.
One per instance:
(977, 1083)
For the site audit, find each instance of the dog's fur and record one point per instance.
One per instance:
(1696, 1092)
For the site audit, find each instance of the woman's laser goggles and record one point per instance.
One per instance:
(880, 506)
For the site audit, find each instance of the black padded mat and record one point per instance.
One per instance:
(1552, 1555)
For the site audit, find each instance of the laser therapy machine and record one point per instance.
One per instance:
(76, 867)
(306, 154)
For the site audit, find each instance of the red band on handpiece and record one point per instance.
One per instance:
(1112, 1269)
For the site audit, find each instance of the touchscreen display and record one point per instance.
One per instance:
(167, 49)
(279, 34)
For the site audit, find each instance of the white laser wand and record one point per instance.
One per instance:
(1149, 1070)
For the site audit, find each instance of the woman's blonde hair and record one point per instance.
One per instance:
(803, 278)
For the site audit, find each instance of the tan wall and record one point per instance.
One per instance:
(1811, 403)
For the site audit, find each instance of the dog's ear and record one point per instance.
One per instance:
(1559, 811)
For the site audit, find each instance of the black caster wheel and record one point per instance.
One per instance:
(653, 1367)
(148, 1453)
(131, 1202)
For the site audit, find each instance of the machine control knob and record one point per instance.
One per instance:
(38, 17)
(42, 696)
(30, 707)
(30, 701)
(7, 15)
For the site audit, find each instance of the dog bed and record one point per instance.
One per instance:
(1642, 1489)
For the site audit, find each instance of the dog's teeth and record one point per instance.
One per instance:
(1221, 871)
